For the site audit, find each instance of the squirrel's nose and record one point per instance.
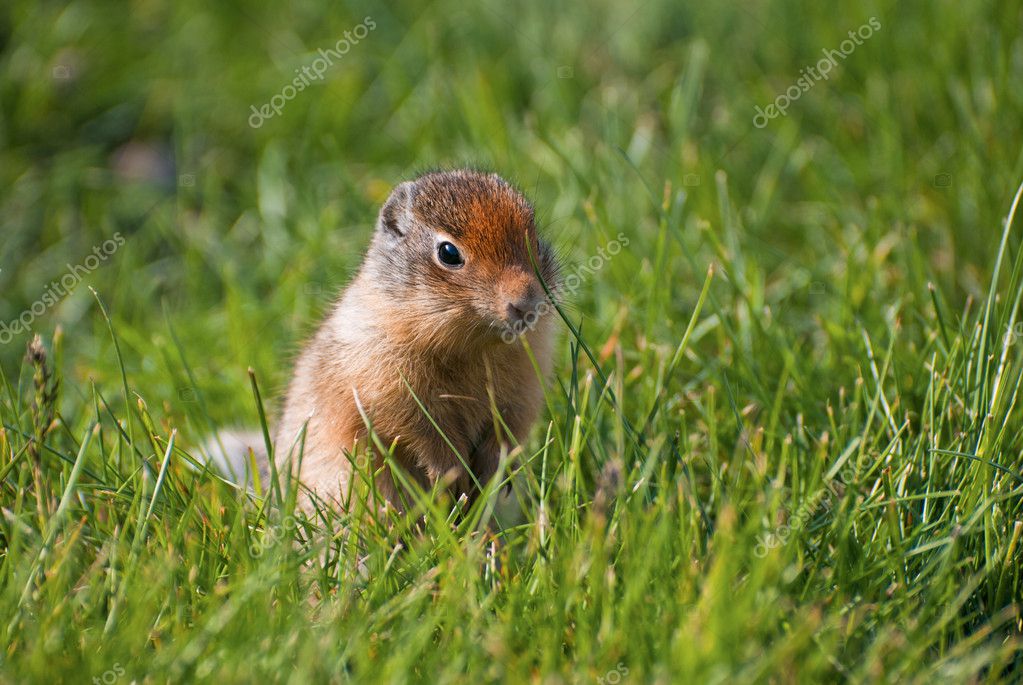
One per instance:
(516, 311)
(518, 296)
(524, 307)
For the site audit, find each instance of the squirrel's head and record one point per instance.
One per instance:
(456, 250)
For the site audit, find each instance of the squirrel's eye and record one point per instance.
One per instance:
(449, 255)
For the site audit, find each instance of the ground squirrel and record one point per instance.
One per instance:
(444, 296)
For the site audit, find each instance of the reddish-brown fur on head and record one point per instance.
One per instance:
(491, 226)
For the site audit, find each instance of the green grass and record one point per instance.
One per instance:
(817, 476)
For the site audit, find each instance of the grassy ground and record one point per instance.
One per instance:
(813, 472)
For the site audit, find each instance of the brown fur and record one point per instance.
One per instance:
(408, 318)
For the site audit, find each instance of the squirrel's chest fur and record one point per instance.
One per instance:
(429, 404)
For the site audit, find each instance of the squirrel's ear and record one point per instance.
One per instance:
(394, 215)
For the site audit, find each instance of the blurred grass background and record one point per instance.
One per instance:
(826, 227)
(137, 121)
